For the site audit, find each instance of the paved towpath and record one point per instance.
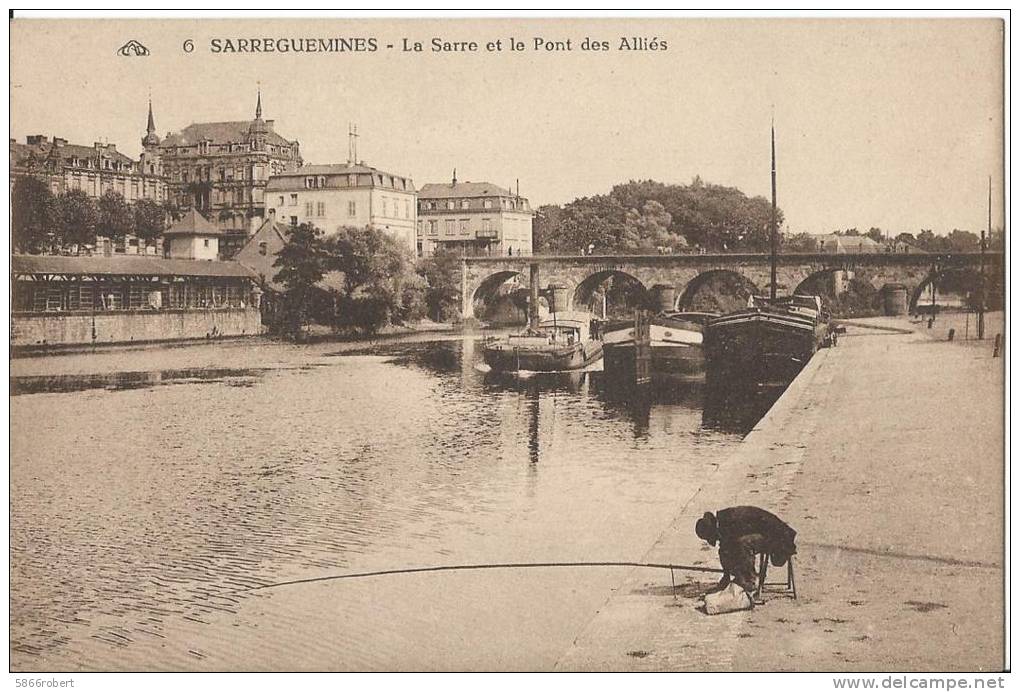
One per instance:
(886, 455)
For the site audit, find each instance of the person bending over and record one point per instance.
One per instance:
(742, 532)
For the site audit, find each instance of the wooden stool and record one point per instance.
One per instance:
(790, 585)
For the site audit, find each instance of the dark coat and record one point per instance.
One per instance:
(766, 532)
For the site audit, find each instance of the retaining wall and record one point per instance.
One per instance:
(42, 329)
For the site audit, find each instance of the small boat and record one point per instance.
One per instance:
(561, 341)
(676, 346)
(766, 343)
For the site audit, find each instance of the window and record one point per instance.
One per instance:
(263, 247)
(464, 225)
(293, 221)
(451, 227)
(322, 181)
(487, 204)
(309, 183)
(309, 208)
(281, 200)
(385, 207)
(433, 228)
(486, 224)
(352, 208)
(205, 242)
(464, 204)
(321, 209)
(293, 200)
(407, 209)
(450, 205)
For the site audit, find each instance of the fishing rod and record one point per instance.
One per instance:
(499, 565)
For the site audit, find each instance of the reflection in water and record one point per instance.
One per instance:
(35, 384)
(140, 506)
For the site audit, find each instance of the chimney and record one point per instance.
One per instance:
(454, 183)
(98, 146)
(59, 141)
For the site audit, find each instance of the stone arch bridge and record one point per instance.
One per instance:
(581, 275)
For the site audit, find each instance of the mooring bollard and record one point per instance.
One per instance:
(998, 345)
(952, 333)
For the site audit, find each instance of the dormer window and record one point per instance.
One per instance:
(309, 183)
(464, 204)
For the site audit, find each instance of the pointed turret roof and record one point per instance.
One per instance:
(193, 223)
(150, 138)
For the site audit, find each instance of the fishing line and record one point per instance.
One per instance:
(502, 565)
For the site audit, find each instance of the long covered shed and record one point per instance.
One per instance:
(89, 299)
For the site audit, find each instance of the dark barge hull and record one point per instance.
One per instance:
(687, 362)
(758, 348)
(506, 359)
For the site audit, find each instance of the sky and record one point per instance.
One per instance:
(893, 123)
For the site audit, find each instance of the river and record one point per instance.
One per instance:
(153, 488)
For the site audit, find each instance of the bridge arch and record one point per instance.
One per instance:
(958, 280)
(487, 292)
(735, 288)
(584, 291)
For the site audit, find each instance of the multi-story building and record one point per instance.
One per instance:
(332, 196)
(473, 218)
(94, 169)
(221, 169)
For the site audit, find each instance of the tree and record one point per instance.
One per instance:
(876, 234)
(76, 218)
(442, 272)
(32, 211)
(301, 265)
(116, 218)
(963, 241)
(800, 242)
(648, 230)
(150, 219)
(376, 271)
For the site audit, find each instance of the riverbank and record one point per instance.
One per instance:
(886, 456)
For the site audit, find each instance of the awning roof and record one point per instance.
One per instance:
(126, 265)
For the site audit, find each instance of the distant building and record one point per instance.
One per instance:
(193, 237)
(474, 218)
(93, 169)
(332, 196)
(903, 248)
(848, 244)
(222, 168)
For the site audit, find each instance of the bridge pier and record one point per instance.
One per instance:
(533, 288)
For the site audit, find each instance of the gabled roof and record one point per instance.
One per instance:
(465, 189)
(193, 223)
(231, 131)
(125, 265)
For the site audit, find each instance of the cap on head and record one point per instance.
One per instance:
(707, 529)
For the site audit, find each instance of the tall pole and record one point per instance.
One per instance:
(981, 286)
(774, 234)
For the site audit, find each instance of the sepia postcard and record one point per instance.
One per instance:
(619, 343)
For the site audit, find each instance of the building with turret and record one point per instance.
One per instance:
(93, 169)
(221, 169)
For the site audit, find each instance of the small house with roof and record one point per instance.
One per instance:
(192, 237)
